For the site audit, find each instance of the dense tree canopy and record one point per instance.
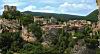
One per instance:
(11, 14)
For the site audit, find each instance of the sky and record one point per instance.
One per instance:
(73, 7)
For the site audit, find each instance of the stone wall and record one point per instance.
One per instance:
(14, 26)
(98, 2)
(10, 8)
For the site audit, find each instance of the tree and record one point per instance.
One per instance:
(36, 30)
(62, 42)
(98, 51)
(31, 49)
(11, 14)
(10, 42)
(26, 20)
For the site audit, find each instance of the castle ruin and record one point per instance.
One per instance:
(9, 8)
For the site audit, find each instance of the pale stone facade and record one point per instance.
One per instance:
(98, 3)
(38, 18)
(6, 8)
(10, 8)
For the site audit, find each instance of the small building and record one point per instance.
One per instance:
(53, 20)
(38, 18)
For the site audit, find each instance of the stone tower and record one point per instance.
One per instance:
(6, 8)
(9, 8)
(12, 8)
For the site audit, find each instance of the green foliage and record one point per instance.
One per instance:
(31, 48)
(79, 35)
(67, 51)
(60, 17)
(87, 31)
(11, 14)
(91, 43)
(90, 40)
(98, 51)
(93, 16)
(62, 41)
(26, 19)
(36, 30)
(10, 41)
(64, 17)
(72, 43)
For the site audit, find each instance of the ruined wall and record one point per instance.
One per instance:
(10, 8)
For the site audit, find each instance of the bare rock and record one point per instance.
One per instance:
(27, 36)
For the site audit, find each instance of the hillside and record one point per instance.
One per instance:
(91, 17)
(58, 16)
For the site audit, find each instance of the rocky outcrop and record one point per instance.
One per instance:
(27, 36)
(79, 48)
(49, 37)
(14, 26)
(46, 44)
(9, 25)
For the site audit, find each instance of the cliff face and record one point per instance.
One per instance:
(81, 48)
(27, 36)
(9, 25)
(84, 50)
(14, 26)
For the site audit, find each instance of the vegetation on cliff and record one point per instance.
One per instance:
(62, 41)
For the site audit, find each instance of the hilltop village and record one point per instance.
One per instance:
(23, 33)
